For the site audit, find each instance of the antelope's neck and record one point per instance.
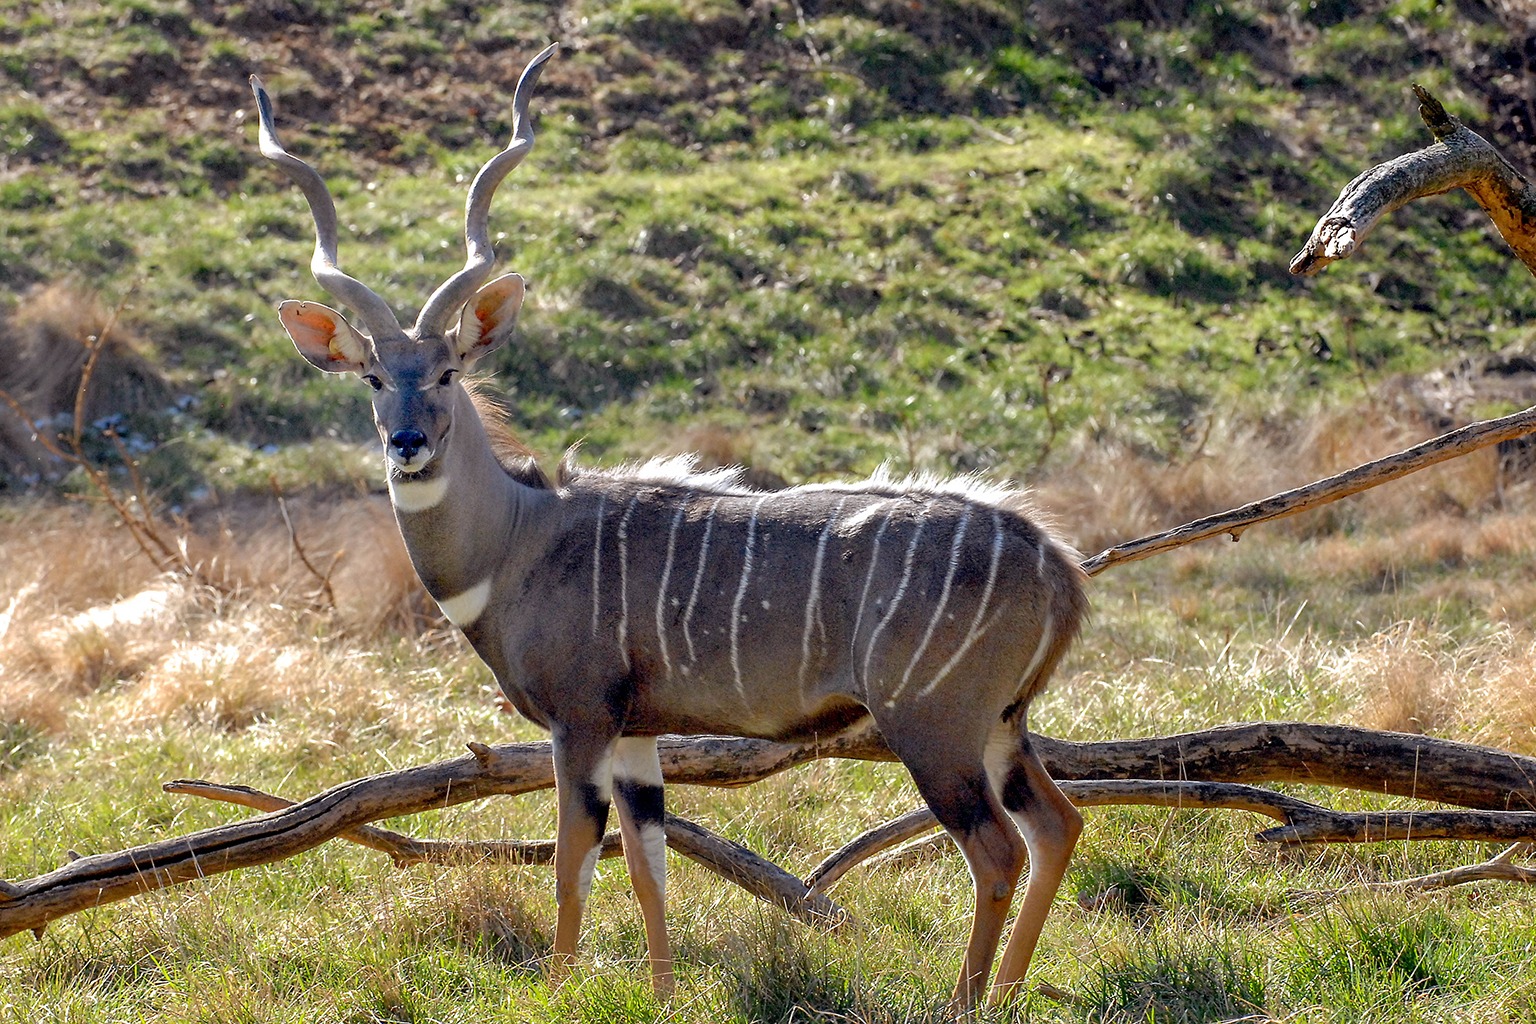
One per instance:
(462, 518)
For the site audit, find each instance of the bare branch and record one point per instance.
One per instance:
(732, 861)
(1380, 762)
(1440, 449)
(1460, 158)
(1302, 820)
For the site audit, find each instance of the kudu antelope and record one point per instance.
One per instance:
(616, 606)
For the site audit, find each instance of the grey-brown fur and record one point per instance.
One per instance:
(614, 606)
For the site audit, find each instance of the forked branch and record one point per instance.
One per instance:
(1394, 763)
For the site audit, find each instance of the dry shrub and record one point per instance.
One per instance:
(1441, 540)
(1413, 678)
(352, 542)
(89, 613)
(44, 343)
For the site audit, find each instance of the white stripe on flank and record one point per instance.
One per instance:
(938, 613)
(981, 608)
(901, 591)
(1040, 648)
(409, 495)
(597, 563)
(463, 609)
(869, 577)
(661, 589)
(624, 581)
(813, 599)
(698, 578)
(741, 592)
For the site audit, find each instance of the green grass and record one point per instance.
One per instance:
(950, 236)
(1165, 915)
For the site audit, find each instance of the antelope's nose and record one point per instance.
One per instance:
(407, 443)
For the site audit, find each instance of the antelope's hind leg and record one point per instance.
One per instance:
(639, 796)
(962, 798)
(583, 793)
(1051, 825)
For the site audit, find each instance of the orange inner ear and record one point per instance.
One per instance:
(320, 324)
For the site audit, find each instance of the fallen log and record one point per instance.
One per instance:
(1395, 763)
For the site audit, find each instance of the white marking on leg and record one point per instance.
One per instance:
(975, 631)
(464, 608)
(661, 589)
(653, 841)
(698, 579)
(869, 577)
(813, 599)
(635, 760)
(417, 495)
(597, 563)
(741, 592)
(938, 613)
(901, 591)
(588, 869)
(624, 580)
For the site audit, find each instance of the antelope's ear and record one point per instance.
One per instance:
(488, 318)
(324, 337)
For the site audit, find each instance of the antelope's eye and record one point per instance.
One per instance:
(373, 381)
(446, 378)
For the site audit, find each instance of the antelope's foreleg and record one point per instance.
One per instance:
(1051, 825)
(583, 791)
(642, 821)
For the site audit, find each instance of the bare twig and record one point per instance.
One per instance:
(323, 578)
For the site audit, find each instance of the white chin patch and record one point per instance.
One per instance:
(415, 464)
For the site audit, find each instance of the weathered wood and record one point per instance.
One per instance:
(734, 862)
(1398, 764)
(1460, 158)
(1302, 820)
(1394, 763)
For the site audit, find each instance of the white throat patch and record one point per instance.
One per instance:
(417, 495)
(463, 609)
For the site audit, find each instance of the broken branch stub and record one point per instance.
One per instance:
(1459, 158)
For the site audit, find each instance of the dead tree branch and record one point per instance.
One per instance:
(1460, 158)
(1394, 763)
(1302, 820)
(1447, 446)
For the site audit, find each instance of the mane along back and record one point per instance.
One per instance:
(516, 458)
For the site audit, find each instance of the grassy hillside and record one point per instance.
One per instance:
(822, 235)
(1044, 242)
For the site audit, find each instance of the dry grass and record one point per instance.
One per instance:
(1110, 492)
(1413, 677)
(89, 618)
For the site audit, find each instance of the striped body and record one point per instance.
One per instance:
(701, 607)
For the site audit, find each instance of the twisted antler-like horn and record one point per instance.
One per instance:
(455, 291)
(375, 313)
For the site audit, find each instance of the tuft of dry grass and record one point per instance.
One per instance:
(90, 620)
(1413, 677)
